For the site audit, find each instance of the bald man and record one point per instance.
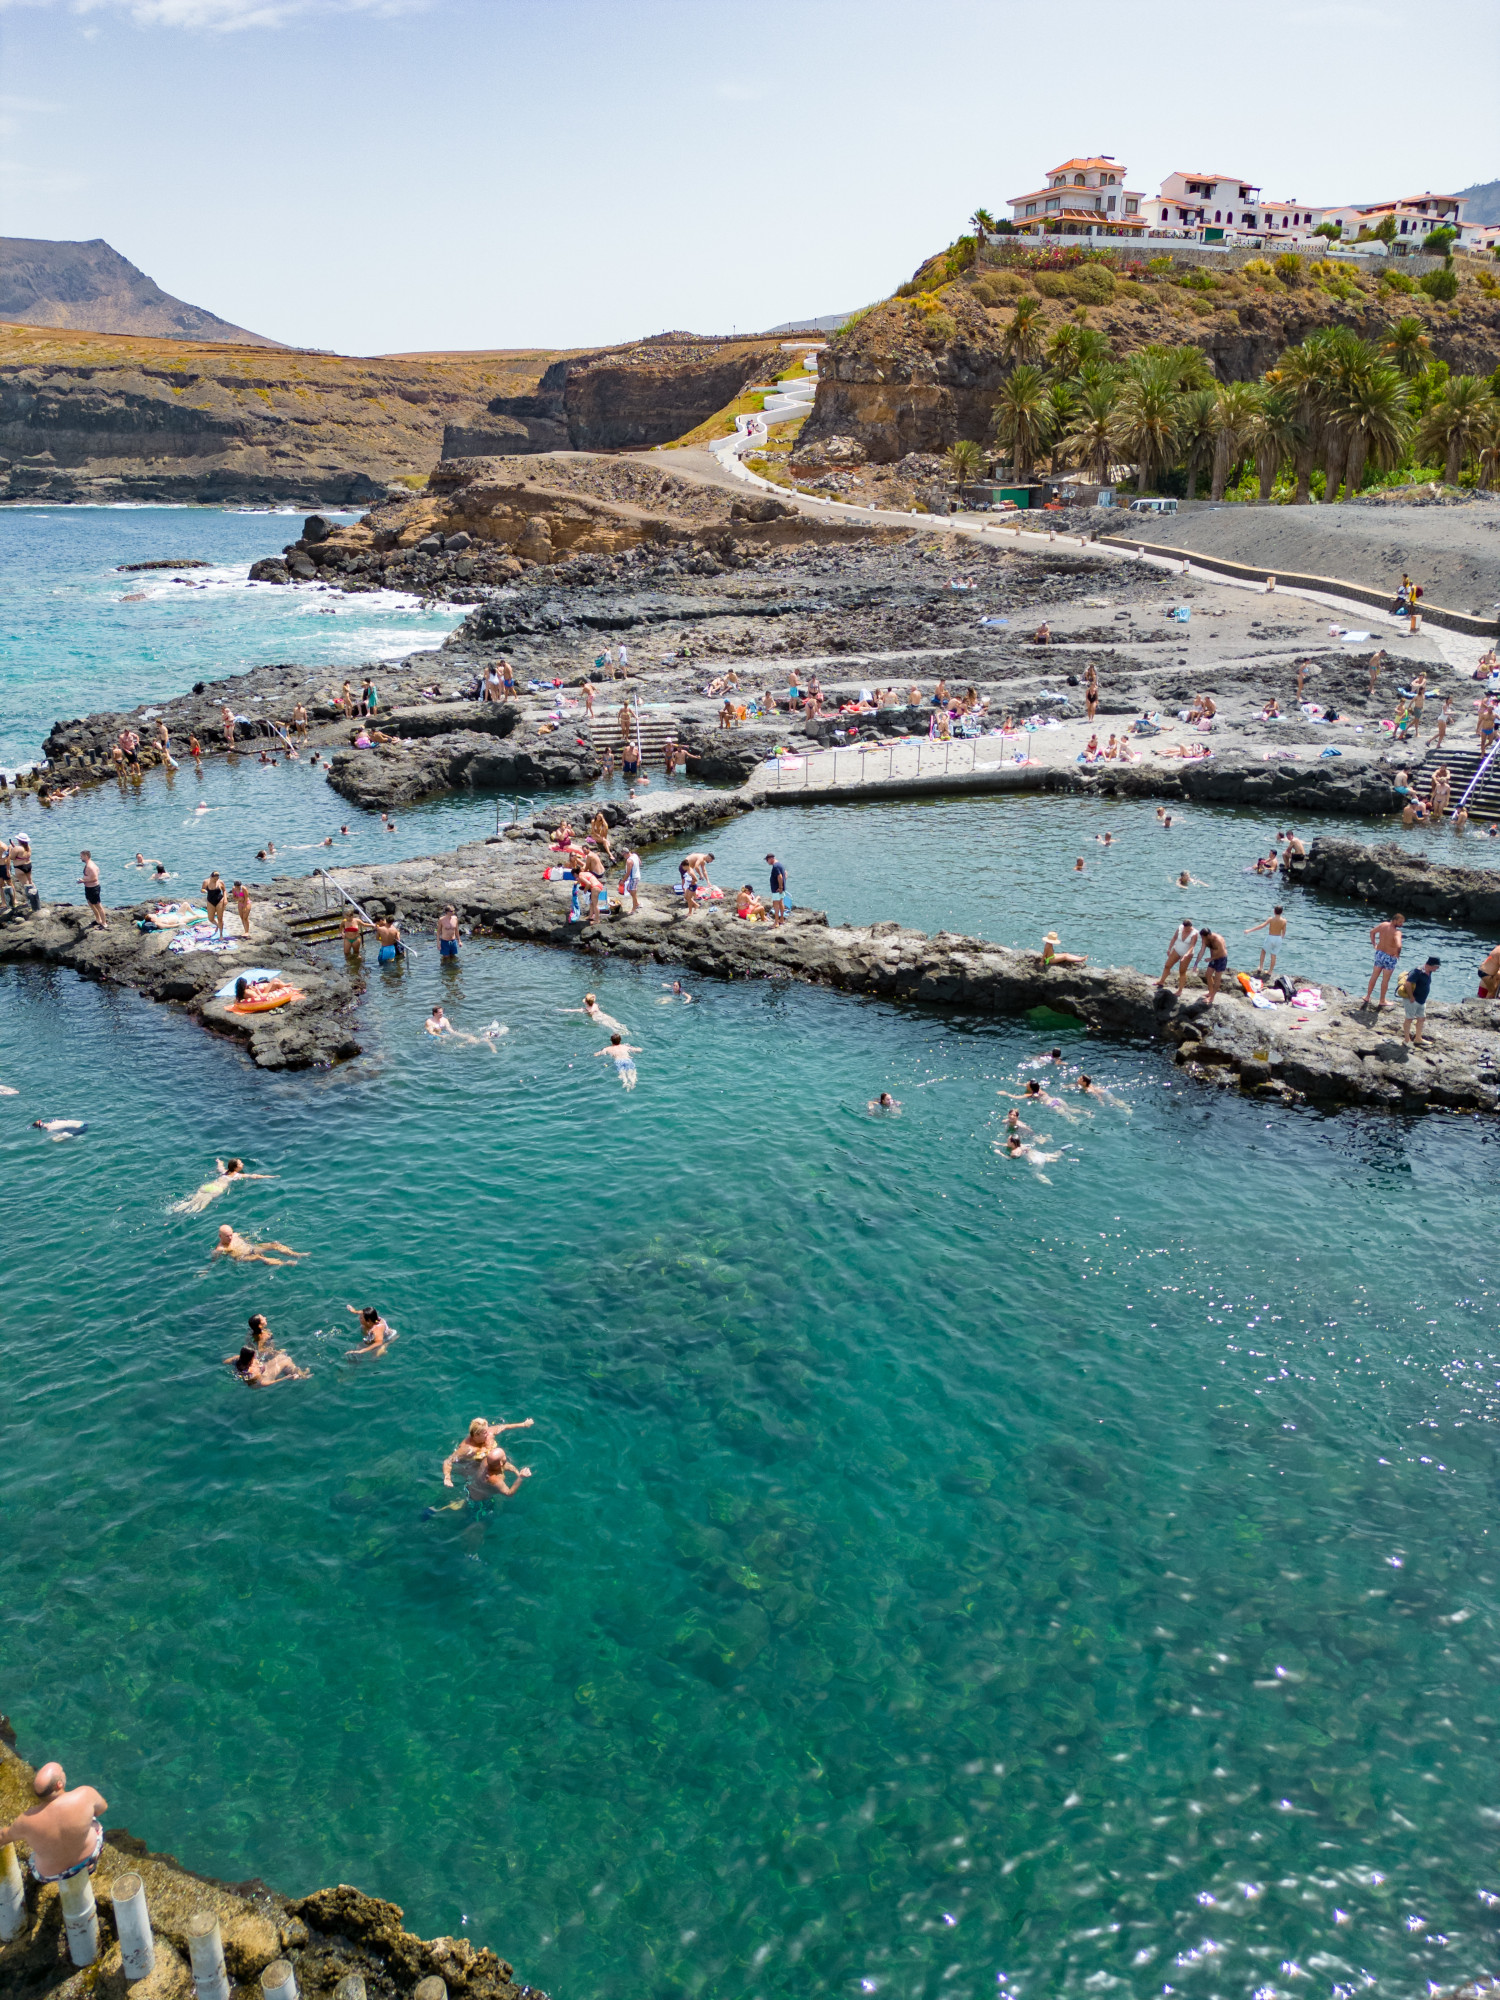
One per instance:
(62, 1828)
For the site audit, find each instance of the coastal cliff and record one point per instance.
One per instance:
(110, 417)
(622, 398)
(923, 369)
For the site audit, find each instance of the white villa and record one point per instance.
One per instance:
(1086, 197)
(1214, 206)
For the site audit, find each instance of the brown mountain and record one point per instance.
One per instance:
(91, 288)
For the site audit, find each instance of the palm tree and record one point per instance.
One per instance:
(1150, 416)
(1062, 349)
(1306, 371)
(1090, 348)
(1190, 367)
(1407, 345)
(1023, 418)
(1062, 396)
(983, 224)
(1235, 405)
(1199, 411)
(1022, 339)
(1275, 433)
(1371, 410)
(1091, 440)
(1457, 424)
(1489, 450)
(965, 461)
(1348, 361)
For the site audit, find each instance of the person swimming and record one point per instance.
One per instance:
(229, 1171)
(231, 1244)
(622, 1053)
(676, 991)
(885, 1102)
(377, 1335)
(61, 1128)
(597, 1015)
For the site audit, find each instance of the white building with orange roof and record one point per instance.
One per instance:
(1085, 197)
(1215, 207)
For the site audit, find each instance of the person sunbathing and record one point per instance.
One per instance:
(243, 1251)
(749, 905)
(1111, 749)
(1050, 955)
(1091, 751)
(1271, 711)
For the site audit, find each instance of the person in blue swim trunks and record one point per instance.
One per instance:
(62, 1829)
(388, 937)
(447, 933)
(1386, 939)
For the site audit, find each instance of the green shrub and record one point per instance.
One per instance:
(1260, 270)
(1398, 281)
(1052, 284)
(1093, 285)
(1288, 267)
(1439, 284)
(998, 288)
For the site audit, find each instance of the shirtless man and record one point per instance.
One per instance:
(62, 1829)
(623, 1054)
(1215, 953)
(299, 718)
(447, 932)
(1386, 938)
(1275, 928)
(697, 866)
(243, 1251)
(93, 895)
(1184, 942)
(1097, 1094)
(597, 1015)
(489, 1482)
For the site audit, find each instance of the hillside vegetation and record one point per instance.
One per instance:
(1307, 373)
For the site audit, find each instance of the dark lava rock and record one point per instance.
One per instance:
(391, 774)
(316, 528)
(270, 569)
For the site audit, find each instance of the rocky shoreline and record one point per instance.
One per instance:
(1338, 1056)
(330, 1937)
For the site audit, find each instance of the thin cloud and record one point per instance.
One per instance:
(222, 16)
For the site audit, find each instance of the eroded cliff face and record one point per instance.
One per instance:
(917, 373)
(106, 416)
(620, 399)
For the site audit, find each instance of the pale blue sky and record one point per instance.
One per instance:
(379, 175)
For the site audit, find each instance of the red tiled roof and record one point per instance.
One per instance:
(1104, 166)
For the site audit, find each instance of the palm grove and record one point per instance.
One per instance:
(1333, 410)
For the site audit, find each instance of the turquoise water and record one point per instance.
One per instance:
(934, 1580)
(72, 642)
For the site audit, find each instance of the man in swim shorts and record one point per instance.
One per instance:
(778, 889)
(388, 937)
(1386, 938)
(630, 881)
(93, 895)
(1216, 952)
(1275, 927)
(243, 1251)
(447, 932)
(624, 1054)
(62, 1829)
(1414, 991)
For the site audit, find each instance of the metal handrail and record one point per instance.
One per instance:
(1484, 764)
(339, 890)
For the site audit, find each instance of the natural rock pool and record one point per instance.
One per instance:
(933, 1579)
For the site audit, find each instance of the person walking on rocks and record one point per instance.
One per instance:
(624, 662)
(62, 1829)
(587, 692)
(1444, 718)
(1386, 938)
(1414, 990)
(93, 894)
(239, 895)
(20, 868)
(630, 881)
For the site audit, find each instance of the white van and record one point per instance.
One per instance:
(1153, 506)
